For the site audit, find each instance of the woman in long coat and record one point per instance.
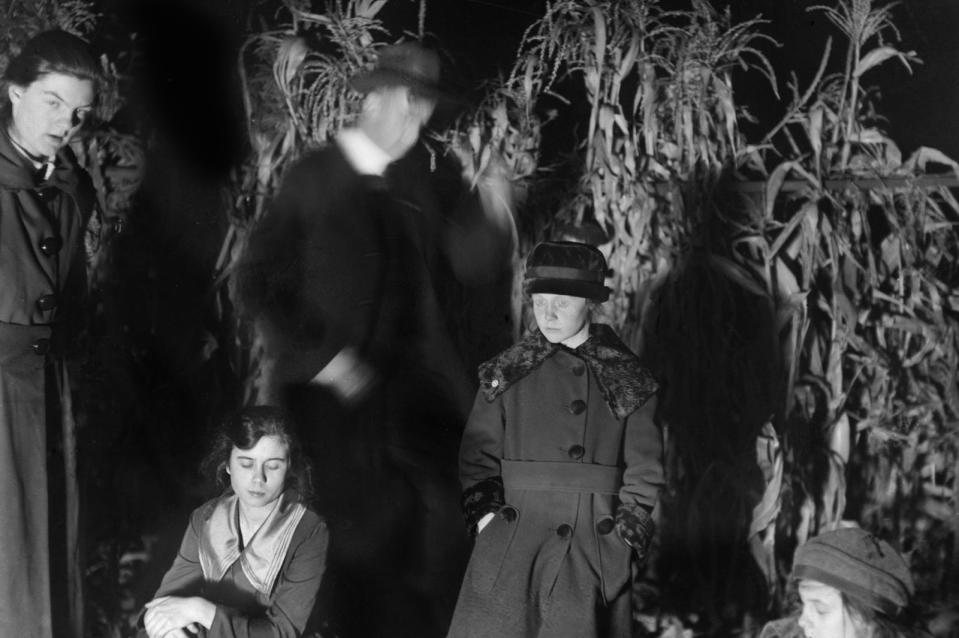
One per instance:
(46, 200)
(561, 465)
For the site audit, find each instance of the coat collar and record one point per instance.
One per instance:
(624, 383)
(18, 173)
(362, 153)
(263, 555)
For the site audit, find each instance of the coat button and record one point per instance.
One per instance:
(509, 513)
(605, 526)
(564, 531)
(47, 303)
(578, 370)
(577, 406)
(577, 452)
(50, 245)
(41, 346)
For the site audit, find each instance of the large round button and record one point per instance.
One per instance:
(577, 452)
(605, 526)
(564, 531)
(579, 369)
(41, 346)
(50, 245)
(47, 303)
(509, 513)
(577, 406)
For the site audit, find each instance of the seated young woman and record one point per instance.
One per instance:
(252, 559)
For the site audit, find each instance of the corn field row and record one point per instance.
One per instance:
(794, 292)
(806, 336)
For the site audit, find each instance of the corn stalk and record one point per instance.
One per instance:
(862, 281)
(659, 96)
(661, 133)
(856, 284)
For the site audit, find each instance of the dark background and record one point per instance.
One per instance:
(185, 99)
(149, 427)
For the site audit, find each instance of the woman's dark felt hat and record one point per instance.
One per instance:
(858, 564)
(405, 64)
(567, 268)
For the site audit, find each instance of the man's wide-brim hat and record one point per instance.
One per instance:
(567, 268)
(405, 64)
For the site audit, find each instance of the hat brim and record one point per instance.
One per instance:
(366, 81)
(570, 287)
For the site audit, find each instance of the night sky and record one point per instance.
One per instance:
(189, 87)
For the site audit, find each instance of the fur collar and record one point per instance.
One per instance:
(625, 384)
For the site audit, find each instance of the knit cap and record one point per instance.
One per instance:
(865, 568)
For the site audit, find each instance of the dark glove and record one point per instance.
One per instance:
(636, 527)
(482, 498)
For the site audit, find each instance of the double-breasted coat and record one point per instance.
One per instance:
(561, 444)
(42, 277)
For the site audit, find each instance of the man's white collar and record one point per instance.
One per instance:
(362, 152)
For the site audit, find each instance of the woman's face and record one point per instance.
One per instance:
(258, 475)
(48, 111)
(561, 318)
(824, 615)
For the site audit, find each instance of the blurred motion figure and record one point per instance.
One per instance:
(340, 275)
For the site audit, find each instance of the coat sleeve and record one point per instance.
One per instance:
(479, 244)
(481, 450)
(643, 477)
(185, 576)
(293, 598)
(313, 268)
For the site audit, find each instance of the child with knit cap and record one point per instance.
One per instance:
(852, 585)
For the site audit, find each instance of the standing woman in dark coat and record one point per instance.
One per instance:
(561, 465)
(46, 200)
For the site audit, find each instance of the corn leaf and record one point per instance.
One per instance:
(879, 55)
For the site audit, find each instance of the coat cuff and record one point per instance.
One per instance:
(482, 498)
(636, 527)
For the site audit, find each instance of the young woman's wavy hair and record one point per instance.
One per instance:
(243, 430)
